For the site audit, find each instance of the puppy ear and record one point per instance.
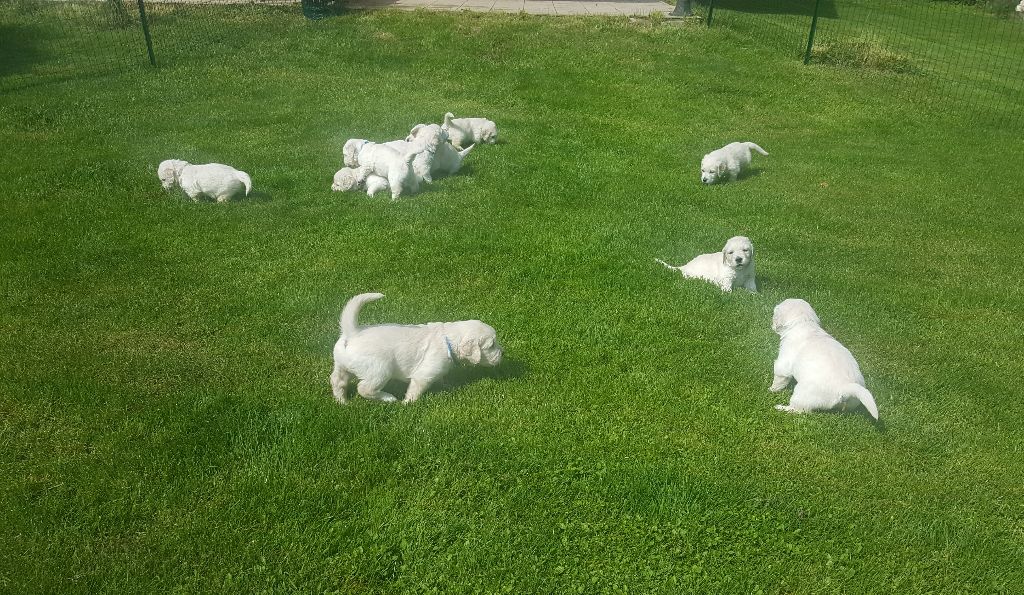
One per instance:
(469, 349)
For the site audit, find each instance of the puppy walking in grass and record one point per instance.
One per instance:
(212, 180)
(420, 353)
(826, 374)
(727, 162)
(731, 268)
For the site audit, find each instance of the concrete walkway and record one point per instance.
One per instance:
(550, 7)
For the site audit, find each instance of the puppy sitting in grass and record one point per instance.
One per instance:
(732, 267)
(420, 353)
(826, 374)
(727, 162)
(212, 180)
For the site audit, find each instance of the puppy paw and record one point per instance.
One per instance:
(785, 408)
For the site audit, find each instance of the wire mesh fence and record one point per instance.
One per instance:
(41, 40)
(968, 53)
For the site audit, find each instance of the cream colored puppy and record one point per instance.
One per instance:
(420, 353)
(727, 162)
(443, 158)
(464, 132)
(346, 179)
(212, 180)
(731, 268)
(825, 372)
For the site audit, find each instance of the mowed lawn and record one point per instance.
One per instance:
(165, 416)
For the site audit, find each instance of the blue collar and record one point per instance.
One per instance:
(448, 346)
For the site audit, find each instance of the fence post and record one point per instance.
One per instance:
(810, 36)
(711, 11)
(145, 32)
(682, 9)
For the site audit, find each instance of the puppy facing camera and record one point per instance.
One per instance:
(728, 162)
(420, 354)
(827, 375)
(731, 268)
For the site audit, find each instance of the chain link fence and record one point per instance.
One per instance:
(967, 53)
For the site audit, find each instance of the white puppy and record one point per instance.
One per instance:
(212, 180)
(443, 158)
(732, 267)
(419, 353)
(826, 374)
(375, 184)
(464, 132)
(385, 161)
(728, 161)
(347, 179)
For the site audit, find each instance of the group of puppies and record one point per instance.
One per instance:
(402, 165)
(826, 374)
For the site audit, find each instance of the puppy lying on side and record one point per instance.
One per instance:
(346, 179)
(732, 267)
(728, 161)
(826, 374)
(212, 180)
(464, 132)
(444, 159)
(419, 353)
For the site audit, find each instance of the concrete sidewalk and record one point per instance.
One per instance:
(549, 7)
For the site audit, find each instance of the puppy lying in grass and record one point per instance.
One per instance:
(732, 267)
(443, 160)
(420, 353)
(825, 372)
(464, 132)
(212, 180)
(728, 161)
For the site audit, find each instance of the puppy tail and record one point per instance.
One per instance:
(667, 265)
(244, 178)
(464, 152)
(863, 395)
(349, 322)
(756, 148)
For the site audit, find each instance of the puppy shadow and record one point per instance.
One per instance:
(751, 172)
(259, 196)
(465, 375)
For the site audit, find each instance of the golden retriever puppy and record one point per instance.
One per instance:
(420, 353)
(732, 267)
(827, 377)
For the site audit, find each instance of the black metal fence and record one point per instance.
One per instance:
(967, 53)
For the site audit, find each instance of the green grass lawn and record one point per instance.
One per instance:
(165, 416)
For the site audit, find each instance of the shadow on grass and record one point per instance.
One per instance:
(826, 8)
(464, 375)
(258, 196)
